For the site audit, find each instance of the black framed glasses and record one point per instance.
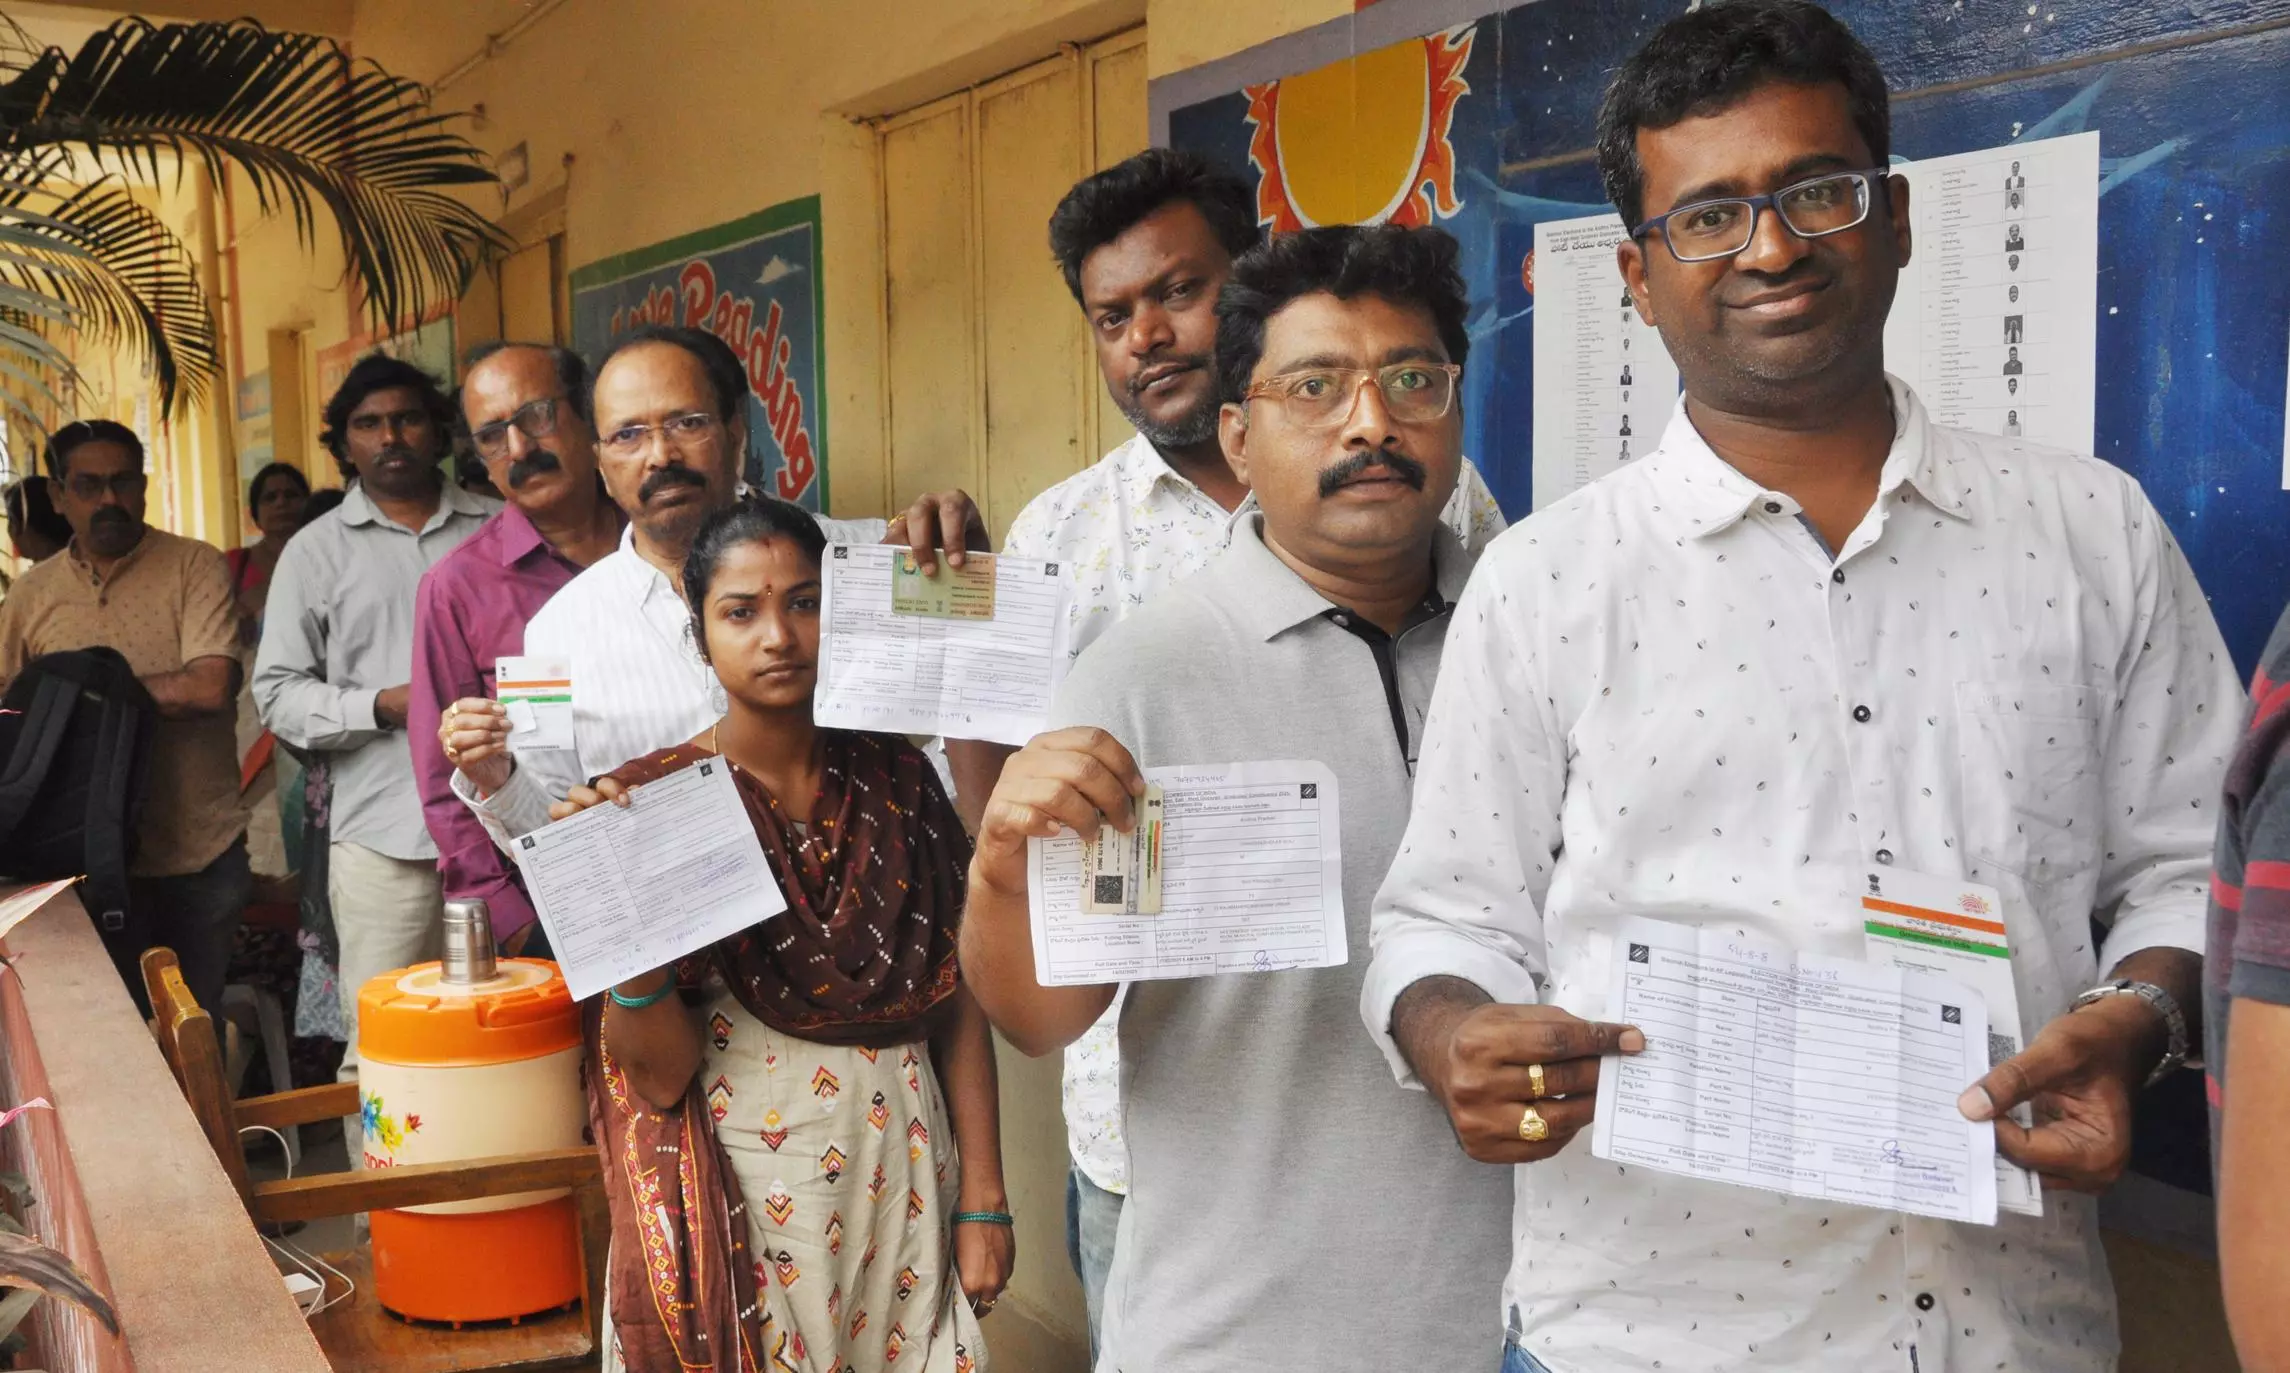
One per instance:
(89, 487)
(1813, 208)
(537, 418)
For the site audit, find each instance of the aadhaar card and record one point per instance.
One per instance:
(952, 593)
(1121, 873)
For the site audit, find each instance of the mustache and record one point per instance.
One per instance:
(1805, 273)
(1405, 468)
(1190, 361)
(665, 478)
(537, 463)
(111, 514)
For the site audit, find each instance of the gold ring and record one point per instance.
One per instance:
(452, 754)
(1535, 1081)
(1533, 1128)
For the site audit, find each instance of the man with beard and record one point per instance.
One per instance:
(525, 406)
(1145, 247)
(333, 673)
(1813, 644)
(165, 604)
(670, 412)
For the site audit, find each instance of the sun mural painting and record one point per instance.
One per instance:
(1364, 140)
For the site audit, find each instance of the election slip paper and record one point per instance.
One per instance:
(1251, 873)
(1956, 929)
(1795, 1072)
(904, 654)
(623, 890)
(537, 694)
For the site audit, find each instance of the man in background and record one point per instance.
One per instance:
(164, 603)
(333, 673)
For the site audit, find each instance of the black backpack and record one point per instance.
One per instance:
(75, 753)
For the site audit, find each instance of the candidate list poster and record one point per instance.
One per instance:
(754, 283)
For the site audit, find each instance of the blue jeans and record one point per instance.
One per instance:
(1091, 1216)
(1517, 1360)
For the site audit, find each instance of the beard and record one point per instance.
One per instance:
(1196, 426)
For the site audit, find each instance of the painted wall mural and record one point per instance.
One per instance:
(1485, 128)
(755, 284)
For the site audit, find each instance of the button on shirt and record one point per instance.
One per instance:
(1126, 528)
(471, 612)
(164, 605)
(1652, 704)
(1287, 1208)
(639, 682)
(337, 631)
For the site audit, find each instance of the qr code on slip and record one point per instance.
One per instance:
(2000, 1047)
(1109, 891)
(842, 553)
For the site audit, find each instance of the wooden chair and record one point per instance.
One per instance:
(358, 1335)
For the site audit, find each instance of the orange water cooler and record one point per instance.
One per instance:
(469, 1058)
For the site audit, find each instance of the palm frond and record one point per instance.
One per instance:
(308, 125)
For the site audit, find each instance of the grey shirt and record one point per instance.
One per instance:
(337, 631)
(1289, 1206)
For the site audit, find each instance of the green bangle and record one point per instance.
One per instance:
(985, 1218)
(638, 1003)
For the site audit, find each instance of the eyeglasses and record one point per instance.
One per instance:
(538, 419)
(87, 486)
(1324, 397)
(1710, 229)
(682, 431)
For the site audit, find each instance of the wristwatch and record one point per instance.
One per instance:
(2166, 1005)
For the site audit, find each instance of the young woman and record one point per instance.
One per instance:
(800, 1128)
(275, 500)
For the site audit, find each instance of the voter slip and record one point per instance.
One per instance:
(950, 593)
(1121, 873)
(537, 693)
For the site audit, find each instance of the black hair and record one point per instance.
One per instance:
(1101, 208)
(29, 507)
(751, 520)
(322, 500)
(727, 375)
(381, 372)
(572, 372)
(1405, 266)
(1706, 59)
(71, 437)
(267, 471)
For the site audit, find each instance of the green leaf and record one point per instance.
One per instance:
(27, 1263)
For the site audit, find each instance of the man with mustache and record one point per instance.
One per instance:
(670, 412)
(525, 408)
(1811, 646)
(1286, 1208)
(333, 673)
(164, 603)
(1145, 247)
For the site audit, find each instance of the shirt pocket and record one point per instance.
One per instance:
(2029, 766)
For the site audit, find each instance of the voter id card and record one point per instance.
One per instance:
(537, 694)
(1121, 873)
(952, 593)
(1956, 929)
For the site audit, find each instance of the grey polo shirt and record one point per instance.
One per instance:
(338, 630)
(1289, 1207)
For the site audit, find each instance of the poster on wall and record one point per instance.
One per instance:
(254, 437)
(1995, 323)
(754, 283)
(428, 346)
(1604, 384)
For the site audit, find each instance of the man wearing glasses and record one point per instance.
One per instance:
(165, 604)
(1814, 639)
(1287, 1208)
(526, 409)
(669, 409)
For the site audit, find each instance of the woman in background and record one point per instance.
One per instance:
(275, 500)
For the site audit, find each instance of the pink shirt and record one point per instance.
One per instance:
(472, 610)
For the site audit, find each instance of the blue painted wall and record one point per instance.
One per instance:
(2192, 105)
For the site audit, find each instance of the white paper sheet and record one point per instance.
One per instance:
(1796, 1072)
(1604, 384)
(1997, 317)
(623, 891)
(1252, 880)
(18, 903)
(913, 674)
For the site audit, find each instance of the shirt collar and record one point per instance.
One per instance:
(515, 538)
(86, 573)
(358, 508)
(1143, 470)
(1711, 494)
(1277, 600)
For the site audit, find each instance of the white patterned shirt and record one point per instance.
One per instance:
(1128, 527)
(639, 682)
(1662, 697)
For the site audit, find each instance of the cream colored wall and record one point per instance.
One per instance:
(1186, 33)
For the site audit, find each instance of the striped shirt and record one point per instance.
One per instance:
(2250, 871)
